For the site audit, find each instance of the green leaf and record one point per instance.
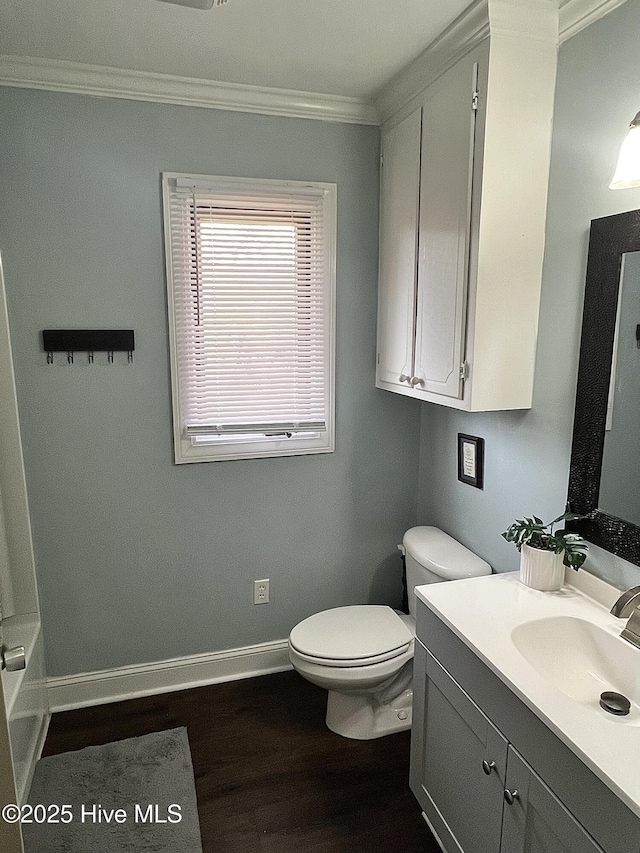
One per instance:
(568, 516)
(574, 560)
(535, 533)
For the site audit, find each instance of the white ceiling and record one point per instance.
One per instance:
(336, 47)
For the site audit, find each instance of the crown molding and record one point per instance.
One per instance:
(575, 15)
(467, 31)
(56, 75)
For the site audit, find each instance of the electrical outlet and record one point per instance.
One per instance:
(261, 591)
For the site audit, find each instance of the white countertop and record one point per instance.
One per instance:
(484, 611)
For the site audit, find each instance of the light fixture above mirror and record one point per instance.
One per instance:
(627, 172)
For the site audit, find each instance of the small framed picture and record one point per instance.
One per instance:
(471, 460)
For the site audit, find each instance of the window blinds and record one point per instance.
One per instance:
(251, 313)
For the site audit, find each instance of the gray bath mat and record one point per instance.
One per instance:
(148, 779)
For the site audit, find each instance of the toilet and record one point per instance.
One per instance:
(363, 654)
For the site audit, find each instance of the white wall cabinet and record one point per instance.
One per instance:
(464, 173)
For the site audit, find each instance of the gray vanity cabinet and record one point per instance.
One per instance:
(534, 820)
(461, 801)
(464, 715)
(477, 792)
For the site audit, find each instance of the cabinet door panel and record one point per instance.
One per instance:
(462, 802)
(448, 123)
(399, 188)
(537, 822)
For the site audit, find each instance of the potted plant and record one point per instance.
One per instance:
(544, 553)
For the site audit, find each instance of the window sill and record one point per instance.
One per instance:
(186, 452)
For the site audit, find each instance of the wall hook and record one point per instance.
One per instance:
(89, 341)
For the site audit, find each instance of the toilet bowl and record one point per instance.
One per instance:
(363, 654)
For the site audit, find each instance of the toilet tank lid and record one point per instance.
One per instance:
(441, 554)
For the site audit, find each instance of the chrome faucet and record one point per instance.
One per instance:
(627, 603)
(628, 606)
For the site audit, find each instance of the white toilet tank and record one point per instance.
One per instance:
(433, 556)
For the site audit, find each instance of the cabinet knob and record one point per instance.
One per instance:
(13, 660)
(511, 796)
(415, 380)
(487, 766)
(404, 378)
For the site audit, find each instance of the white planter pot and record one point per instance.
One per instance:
(541, 569)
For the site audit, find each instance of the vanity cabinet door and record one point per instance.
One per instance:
(458, 760)
(535, 821)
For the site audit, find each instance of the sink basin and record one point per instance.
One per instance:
(582, 660)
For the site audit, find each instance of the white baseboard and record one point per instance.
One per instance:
(128, 682)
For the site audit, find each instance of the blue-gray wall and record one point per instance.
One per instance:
(527, 453)
(139, 559)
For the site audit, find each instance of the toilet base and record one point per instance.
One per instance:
(362, 717)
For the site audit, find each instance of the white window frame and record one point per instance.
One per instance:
(203, 448)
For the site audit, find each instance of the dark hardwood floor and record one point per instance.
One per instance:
(270, 777)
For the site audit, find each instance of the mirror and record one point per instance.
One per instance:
(604, 479)
(620, 476)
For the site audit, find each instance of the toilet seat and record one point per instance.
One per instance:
(357, 635)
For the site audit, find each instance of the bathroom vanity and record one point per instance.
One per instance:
(511, 751)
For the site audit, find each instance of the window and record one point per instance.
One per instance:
(251, 291)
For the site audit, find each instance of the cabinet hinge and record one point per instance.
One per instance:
(378, 359)
(464, 370)
(474, 100)
(381, 160)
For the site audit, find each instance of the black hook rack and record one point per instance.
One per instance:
(89, 341)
